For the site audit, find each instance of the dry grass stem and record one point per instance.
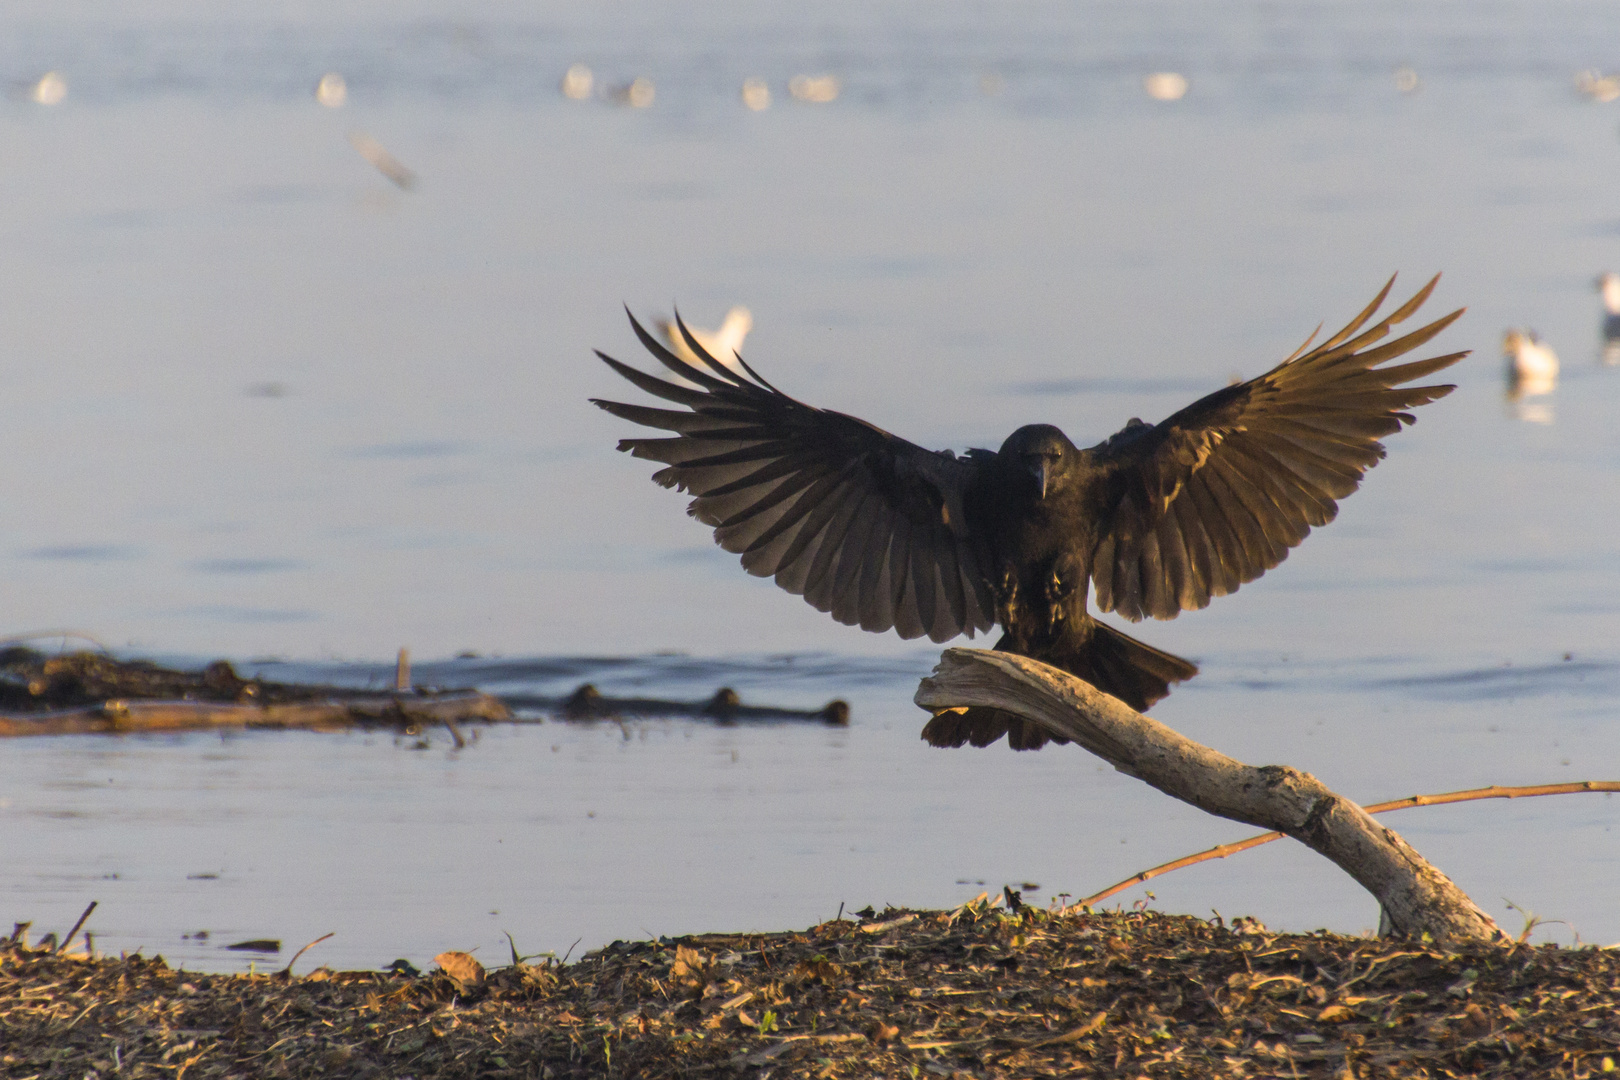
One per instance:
(1221, 851)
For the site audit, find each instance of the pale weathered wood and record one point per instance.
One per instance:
(1416, 898)
(130, 716)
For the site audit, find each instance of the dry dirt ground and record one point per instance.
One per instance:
(974, 992)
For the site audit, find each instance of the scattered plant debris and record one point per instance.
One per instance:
(974, 992)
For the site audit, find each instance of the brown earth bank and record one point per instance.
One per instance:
(974, 992)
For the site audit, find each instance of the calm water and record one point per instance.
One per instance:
(259, 402)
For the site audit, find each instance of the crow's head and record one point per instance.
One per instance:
(1044, 452)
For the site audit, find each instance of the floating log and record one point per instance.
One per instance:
(94, 693)
(122, 716)
(589, 703)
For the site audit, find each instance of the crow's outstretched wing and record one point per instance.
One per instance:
(1217, 494)
(862, 524)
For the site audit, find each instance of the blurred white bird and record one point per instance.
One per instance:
(639, 94)
(1597, 86)
(1532, 366)
(816, 89)
(1165, 86)
(332, 91)
(50, 89)
(722, 344)
(756, 94)
(577, 82)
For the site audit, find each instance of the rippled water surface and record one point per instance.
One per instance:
(258, 401)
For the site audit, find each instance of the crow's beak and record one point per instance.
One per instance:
(1040, 468)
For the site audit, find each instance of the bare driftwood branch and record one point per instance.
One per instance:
(1221, 851)
(1416, 898)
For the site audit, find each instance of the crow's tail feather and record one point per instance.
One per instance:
(1113, 662)
(1131, 670)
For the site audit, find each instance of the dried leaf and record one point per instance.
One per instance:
(817, 968)
(461, 967)
(1474, 1021)
(691, 968)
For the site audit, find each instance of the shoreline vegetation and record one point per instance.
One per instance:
(979, 991)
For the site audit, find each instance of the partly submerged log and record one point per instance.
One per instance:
(121, 715)
(1416, 898)
(589, 703)
(96, 693)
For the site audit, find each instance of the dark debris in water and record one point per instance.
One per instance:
(975, 992)
(93, 692)
(589, 703)
(31, 681)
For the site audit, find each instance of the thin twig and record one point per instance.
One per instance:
(286, 972)
(70, 934)
(1495, 791)
(46, 635)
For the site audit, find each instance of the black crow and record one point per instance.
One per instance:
(1156, 519)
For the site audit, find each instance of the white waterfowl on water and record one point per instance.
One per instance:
(332, 91)
(1597, 86)
(1165, 86)
(577, 82)
(639, 94)
(723, 344)
(49, 89)
(756, 95)
(816, 89)
(1532, 366)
